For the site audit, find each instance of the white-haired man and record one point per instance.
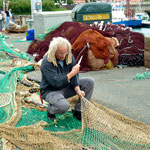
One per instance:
(60, 79)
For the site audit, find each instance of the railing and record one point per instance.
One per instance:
(22, 19)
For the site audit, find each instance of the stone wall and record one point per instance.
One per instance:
(45, 20)
(147, 52)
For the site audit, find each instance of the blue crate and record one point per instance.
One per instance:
(30, 34)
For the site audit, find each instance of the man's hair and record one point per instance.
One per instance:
(53, 49)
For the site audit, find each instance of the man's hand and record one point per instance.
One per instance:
(80, 93)
(75, 69)
(73, 72)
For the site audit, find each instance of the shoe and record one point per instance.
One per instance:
(77, 114)
(51, 116)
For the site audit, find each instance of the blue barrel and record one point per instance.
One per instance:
(30, 34)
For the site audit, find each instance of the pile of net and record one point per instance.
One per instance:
(15, 27)
(103, 46)
(26, 126)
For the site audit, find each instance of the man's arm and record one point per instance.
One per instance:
(79, 92)
(74, 71)
(7, 6)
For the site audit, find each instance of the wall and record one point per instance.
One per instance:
(45, 20)
(34, 8)
(147, 52)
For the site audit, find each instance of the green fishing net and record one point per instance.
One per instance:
(24, 126)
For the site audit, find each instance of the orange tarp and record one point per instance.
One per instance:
(98, 43)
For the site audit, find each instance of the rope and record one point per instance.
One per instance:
(145, 75)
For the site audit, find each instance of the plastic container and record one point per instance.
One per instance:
(30, 35)
(92, 12)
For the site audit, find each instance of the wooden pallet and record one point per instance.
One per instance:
(17, 31)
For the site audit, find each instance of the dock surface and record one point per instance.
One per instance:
(115, 88)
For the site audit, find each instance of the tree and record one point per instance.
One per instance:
(69, 2)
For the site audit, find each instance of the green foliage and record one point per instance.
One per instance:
(86, 1)
(57, 1)
(57, 6)
(59, 9)
(24, 6)
(48, 5)
(69, 2)
(20, 7)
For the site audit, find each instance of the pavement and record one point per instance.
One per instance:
(115, 88)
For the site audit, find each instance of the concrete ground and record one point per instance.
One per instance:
(114, 88)
(15, 38)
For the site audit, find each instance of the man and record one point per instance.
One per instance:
(7, 17)
(10, 14)
(1, 18)
(60, 79)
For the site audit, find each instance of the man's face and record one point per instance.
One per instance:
(62, 52)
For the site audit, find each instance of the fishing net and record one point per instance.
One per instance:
(129, 51)
(26, 126)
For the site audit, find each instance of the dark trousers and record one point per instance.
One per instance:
(57, 99)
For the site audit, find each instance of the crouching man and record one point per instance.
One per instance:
(60, 79)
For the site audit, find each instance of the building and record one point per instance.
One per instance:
(110, 1)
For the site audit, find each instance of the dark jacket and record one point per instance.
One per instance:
(7, 13)
(55, 78)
